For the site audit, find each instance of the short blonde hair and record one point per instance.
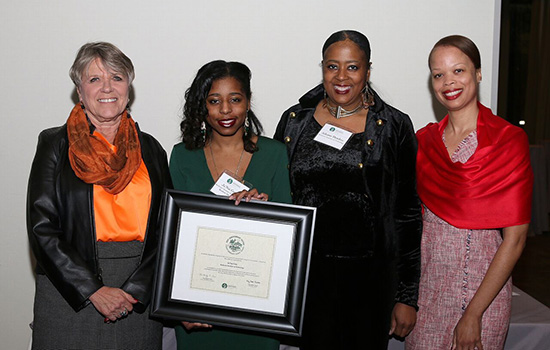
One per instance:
(109, 54)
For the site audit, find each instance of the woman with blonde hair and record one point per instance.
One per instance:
(93, 210)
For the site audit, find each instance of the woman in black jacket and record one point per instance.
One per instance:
(353, 157)
(93, 207)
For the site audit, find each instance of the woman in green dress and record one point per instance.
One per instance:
(221, 140)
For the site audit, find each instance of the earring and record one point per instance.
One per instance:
(246, 124)
(325, 98)
(82, 105)
(203, 132)
(368, 96)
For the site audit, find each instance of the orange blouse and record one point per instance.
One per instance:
(123, 217)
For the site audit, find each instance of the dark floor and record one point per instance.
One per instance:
(532, 272)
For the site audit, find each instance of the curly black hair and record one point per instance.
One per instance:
(195, 112)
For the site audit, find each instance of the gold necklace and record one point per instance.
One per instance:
(214, 161)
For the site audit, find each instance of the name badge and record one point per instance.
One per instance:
(227, 185)
(333, 136)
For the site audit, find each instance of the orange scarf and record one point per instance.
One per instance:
(93, 160)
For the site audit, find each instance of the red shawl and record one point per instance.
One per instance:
(492, 189)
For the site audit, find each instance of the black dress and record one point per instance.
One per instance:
(369, 223)
(341, 310)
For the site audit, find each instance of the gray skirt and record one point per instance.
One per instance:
(57, 326)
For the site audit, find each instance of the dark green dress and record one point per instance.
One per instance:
(268, 173)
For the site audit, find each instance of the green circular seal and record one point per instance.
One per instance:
(234, 245)
(332, 129)
(229, 181)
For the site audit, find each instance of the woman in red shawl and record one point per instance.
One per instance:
(475, 183)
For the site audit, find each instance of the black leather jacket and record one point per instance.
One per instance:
(388, 164)
(60, 221)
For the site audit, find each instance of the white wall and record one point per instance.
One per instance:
(168, 41)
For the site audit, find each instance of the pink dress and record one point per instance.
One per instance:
(454, 262)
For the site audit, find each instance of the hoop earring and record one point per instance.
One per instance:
(203, 132)
(246, 124)
(368, 96)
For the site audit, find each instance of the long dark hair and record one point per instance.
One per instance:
(195, 112)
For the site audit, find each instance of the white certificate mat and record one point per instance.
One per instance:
(208, 272)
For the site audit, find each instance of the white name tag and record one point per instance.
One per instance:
(227, 185)
(333, 136)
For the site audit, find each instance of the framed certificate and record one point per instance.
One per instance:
(242, 266)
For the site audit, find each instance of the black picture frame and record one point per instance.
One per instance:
(288, 318)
